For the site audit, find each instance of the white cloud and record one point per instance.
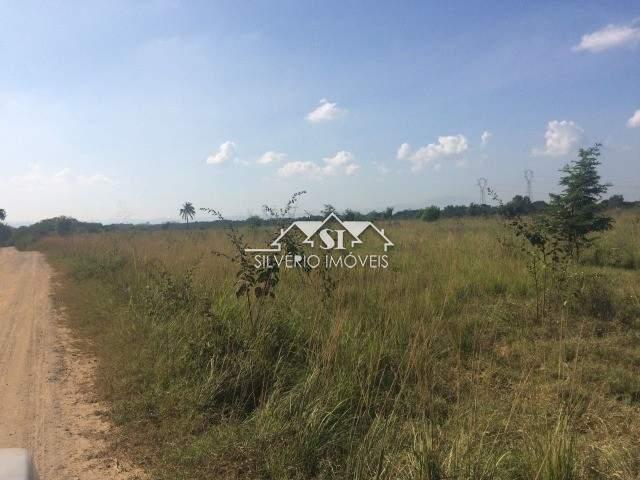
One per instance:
(36, 179)
(462, 163)
(271, 157)
(611, 36)
(341, 163)
(446, 146)
(486, 135)
(634, 121)
(561, 137)
(404, 151)
(351, 168)
(226, 152)
(325, 112)
(292, 169)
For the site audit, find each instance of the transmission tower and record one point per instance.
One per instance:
(528, 176)
(482, 183)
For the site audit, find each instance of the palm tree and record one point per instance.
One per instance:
(187, 212)
(3, 214)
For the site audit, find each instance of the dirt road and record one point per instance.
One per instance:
(46, 404)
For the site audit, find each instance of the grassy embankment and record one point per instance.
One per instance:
(435, 368)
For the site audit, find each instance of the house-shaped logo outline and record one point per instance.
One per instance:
(310, 227)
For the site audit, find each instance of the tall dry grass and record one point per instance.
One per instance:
(434, 368)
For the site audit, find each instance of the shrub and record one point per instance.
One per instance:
(431, 214)
(592, 296)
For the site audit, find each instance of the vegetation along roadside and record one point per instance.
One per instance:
(495, 347)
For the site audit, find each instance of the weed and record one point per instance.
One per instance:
(433, 368)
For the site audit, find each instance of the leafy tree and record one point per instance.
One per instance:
(5, 231)
(373, 215)
(454, 211)
(327, 210)
(351, 215)
(408, 214)
(519, 205)
(476, 209)
(187, 212)
(614, 201)
(65, 225)
(539, 206)
(431, 214)
(575, 212)
(254, 221)
(388, 213)
(6, 235)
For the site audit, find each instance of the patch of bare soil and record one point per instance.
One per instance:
(47, 404)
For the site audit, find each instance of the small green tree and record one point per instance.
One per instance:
(576, 212)
(5, 231)
(614, 201)
(431, 214)
(187, 212)
(351, 215)
(327, 210)
(254, 221)
(65, 225)
(519, 205)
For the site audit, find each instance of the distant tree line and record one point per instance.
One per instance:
(52, 226)
(518, 206)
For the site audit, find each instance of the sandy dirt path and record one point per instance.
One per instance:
(46, 400)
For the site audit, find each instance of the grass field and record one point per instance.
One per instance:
(435, 368)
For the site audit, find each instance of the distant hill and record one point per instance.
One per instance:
(51, 226)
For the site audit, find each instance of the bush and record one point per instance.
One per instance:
(429, 369)
(593, 296)
(431, 214)
(5, 235)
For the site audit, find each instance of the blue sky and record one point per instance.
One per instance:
(121, 111)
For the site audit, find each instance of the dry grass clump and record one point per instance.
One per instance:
(436, 368)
